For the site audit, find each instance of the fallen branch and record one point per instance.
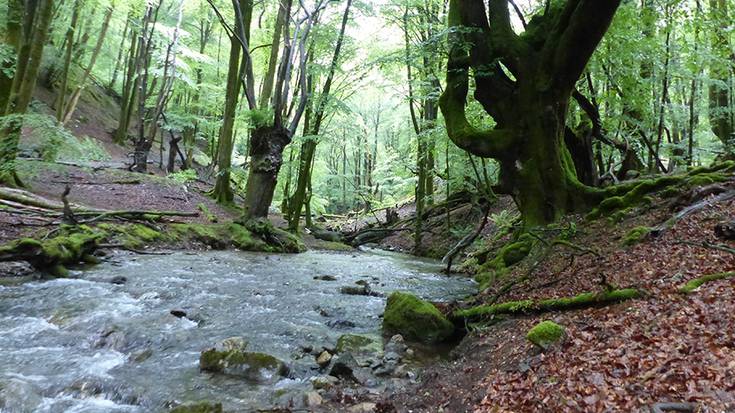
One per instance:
(669, 223)
(465, 242)
(676, 407)
(554, 304)
(718, 247)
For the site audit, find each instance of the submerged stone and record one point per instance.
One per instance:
(198, 407)
(357, 343)
(415, 319)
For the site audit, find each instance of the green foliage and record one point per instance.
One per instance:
(183, 177)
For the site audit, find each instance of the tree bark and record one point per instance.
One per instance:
(530, 110)
(266, 154)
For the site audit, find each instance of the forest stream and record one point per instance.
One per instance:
(87, 344)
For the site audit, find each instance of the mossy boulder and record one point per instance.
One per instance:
(232, 360)
(54, 254)
(415, 319)
(198, 407)
(545, 334)
(357, 343)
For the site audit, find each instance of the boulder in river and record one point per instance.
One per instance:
(415, 319)
(358, 343)
(359, 290)
(230, 359)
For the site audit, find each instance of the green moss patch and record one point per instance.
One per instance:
(552, 304)
(692, 285)
(415, 319)
(636, 235)
(74, 246)
(545, 334)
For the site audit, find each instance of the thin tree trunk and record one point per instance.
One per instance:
(61, 99)
(74, 99)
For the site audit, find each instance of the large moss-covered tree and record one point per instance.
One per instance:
(524, 82)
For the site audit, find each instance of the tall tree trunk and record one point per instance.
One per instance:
(24, 82)
(61, 99)
(308, 148)
(120, 52)
(720, 74)
(127, 101)
(13, 38)
(222, 191)
(74, 99)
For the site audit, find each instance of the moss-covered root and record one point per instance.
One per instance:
(415, 319)
(51, 256)
(553, 304)
(545, 334)
(692, 285)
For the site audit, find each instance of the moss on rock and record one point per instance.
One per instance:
(415, 319)
(545, 334)
(636, 235)
(53, 255)
(254, 366)
(357, 343)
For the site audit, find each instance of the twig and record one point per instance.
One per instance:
(719, 247)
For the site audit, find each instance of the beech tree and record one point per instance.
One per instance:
(524, 82)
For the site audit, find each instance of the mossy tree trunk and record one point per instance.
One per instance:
(720, 111)
(266, 157)
(530, 107)
(222, 191)
(36, 21)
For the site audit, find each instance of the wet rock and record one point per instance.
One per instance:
(363, 283)
(325, 278)
(324, 382)
(396, 344)
(141, 355)
(415, 319)
(324, 358)
(359, 290)
(340, 324)
(230, 359)
(178, 313)
(17, 395)
(343, 367)
(198, 407)
(358, 343)
(118, 280)
(313, 399)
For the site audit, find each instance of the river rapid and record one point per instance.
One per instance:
(86, 344)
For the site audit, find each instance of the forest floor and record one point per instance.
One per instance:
(664, 347)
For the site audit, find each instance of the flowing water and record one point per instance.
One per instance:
(87, 345)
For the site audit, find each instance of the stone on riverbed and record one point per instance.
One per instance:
(357, 343)
(415, 319)
(229, 358)
(198, 407)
